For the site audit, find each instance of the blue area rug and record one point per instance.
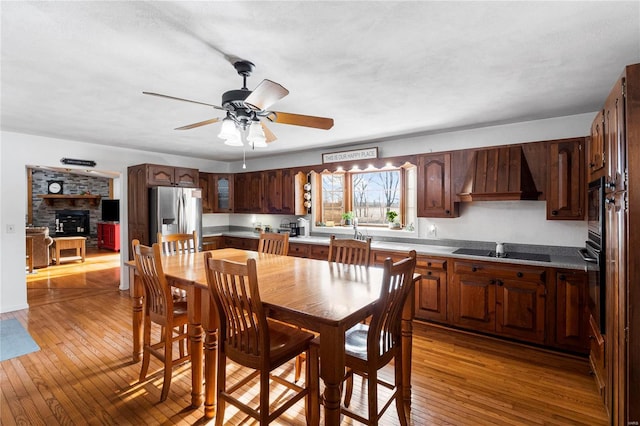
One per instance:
(15, 340)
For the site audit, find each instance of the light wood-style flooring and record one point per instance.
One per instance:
(83, 373)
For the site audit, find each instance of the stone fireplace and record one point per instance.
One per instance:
(82, 214)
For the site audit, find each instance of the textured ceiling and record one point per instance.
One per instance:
(76, 70)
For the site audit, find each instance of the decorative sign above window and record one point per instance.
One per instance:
(74, 162)
(358, 154)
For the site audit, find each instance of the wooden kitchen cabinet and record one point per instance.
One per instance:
(140, 178)
(222, 193)
(431, 290)
(204, 183)
(596, 151)
(212, 242)
(320, 252)
(298, 249)
(571, 311)
(502, 299)
(435, 197)
(137, 205)
(160, 175)
(248, 193)
(614, 138)
(241, 243)
(279, 191)
(566, 186)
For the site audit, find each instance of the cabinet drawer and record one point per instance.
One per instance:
(380, 256)
(495, 271)
(319, 252)
(298, 250)
(432, 264)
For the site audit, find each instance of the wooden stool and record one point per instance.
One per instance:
(68, 243)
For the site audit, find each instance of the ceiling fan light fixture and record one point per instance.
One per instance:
(234, 140)
(228, 129)
(256, 135)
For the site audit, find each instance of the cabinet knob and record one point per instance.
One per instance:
(474, 269)
(429, 264)
(610, 200)
(592, 337)
(610, 185)
(428, 272)
(447, 211)
(500, 283)
(554, 212)
(562, 277)
(519, 274)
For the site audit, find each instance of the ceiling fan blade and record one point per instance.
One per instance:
(301, 120)
(268, 133)
(266, 94)
(201, 123)
(181, 99)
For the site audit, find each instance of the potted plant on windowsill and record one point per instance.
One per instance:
(347, 218)
(392, 218)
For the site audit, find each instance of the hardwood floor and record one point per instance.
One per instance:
(83, 373)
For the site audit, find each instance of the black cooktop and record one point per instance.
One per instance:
(536, 257)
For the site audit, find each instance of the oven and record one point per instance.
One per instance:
(594, 252)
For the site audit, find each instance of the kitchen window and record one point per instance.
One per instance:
(369, 194)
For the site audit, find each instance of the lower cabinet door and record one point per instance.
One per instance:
(431, 296)
(520, 309)
(472, 302)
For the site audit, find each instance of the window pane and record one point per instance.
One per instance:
(375, 193)
(332, 197)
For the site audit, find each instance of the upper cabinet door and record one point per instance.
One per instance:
(596, 151)
(222, 193)
(566, 186)
(185, 177)
(160, 175)
(434, 186)
(614, 137)
(204, 182)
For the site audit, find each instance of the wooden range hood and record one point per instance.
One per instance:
(499, 174)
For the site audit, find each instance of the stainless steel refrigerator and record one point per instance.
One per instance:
(175, 211)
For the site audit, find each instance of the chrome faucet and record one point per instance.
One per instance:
(356, 234)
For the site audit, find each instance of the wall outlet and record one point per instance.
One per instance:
(11, 229)
(432, 231)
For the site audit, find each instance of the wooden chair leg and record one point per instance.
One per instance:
(349, 388)
(168, 363)
(299, 360)
(373, 397)
(264, 397)
(146, 342)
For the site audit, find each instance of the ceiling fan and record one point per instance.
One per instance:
(246, 110)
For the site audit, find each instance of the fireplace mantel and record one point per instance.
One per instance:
(49, 199)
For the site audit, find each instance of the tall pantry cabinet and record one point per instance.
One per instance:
(618, 129)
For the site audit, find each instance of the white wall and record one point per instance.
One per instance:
(19, 150)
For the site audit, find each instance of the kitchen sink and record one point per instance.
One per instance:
(537, 257)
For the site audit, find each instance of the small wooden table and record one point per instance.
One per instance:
(318, 295)
(68, 243)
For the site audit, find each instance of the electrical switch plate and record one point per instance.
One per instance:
(432, 231)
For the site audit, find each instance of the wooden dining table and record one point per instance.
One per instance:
(321, 296)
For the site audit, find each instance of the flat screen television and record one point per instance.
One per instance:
(111, 210)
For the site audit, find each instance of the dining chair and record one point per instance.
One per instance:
(172, 244)
(247, 337)
(350, 251)
(178, 243)
(370, 347)
(274, 243)
(160, 309)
